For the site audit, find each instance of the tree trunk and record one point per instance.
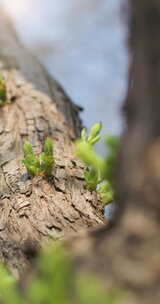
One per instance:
(127, 254)
(34, 209)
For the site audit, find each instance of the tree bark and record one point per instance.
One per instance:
(126, 253)
(34, 209)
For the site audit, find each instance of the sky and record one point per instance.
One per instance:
(83, 45)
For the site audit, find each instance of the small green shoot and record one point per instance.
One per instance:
(41, 165)
(106, 192)
(93, 136)
(112, 144)
(100, 173)
(86, 153)
(95, 164)
(3, 91)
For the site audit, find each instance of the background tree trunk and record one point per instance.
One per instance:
(34, 209)
(127, 255)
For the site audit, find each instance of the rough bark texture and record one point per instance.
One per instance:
(126, 254)
(33, 209)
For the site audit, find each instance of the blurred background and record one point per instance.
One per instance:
(83, 44)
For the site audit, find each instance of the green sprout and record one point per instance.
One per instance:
(112, 144)
(9, 283)
(100, 173)
(3, 91)
(94, 136)
(86, 153)
(95, 164)
(41, 165)
(106, 192)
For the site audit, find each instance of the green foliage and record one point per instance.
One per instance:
(95, 164)
(100, 173)
(112, 144)
(3, 91)
(91, 291)
(31, 162)
(94, 134)
(106, 192)
(56, 283)
(86, 153)
(8, 288)
(46, 157)
(41, 165)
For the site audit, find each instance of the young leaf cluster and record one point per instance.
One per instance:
(100, 173)
(3, 91)
(42, 164)
(56, 283)
(112, 145)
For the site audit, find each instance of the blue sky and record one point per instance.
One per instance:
(83, 44)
